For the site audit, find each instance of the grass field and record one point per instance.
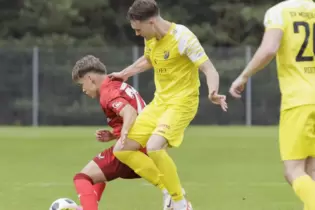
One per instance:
(222, 168)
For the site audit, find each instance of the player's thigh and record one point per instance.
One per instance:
(296, 133)
(108, 164)
(145, 123)
(93, 170)
(173, 123)
(294, 169)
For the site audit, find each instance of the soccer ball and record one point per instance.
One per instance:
(63, 204)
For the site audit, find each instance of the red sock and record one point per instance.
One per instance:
(98, 189)
(84, 187)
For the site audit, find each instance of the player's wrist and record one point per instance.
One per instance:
(245, 75)
(124, 133)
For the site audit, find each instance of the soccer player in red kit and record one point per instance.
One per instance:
(121, 104)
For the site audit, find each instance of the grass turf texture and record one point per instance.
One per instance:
(221, 168)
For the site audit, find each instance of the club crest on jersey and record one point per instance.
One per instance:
(116, 105)
(166, 54)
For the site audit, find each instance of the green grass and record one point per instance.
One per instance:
(222, 168)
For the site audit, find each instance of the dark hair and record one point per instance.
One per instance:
(143, 10)
(87, 64)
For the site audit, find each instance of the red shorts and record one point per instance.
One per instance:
(112, 167)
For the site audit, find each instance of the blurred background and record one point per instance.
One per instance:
(41, 40)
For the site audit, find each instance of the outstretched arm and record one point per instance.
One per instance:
(190, 46)
(267, 50)
(140, 65)
(129, 115)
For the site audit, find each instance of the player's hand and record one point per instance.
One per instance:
(118, 75)
(238, 86)
(219, 100)
(104, 135)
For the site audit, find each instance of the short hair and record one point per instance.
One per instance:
(87, 64)
(143, 10)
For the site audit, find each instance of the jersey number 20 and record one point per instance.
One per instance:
(299, 57)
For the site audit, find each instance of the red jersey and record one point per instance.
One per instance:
(114, 96)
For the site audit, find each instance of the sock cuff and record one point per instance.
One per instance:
(298, 182)
(161, 151)
(82, 176)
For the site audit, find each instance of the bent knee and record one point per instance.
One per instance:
(91, 172)
(129, 145)
(156, 142)
(82, 176)
(293, 170)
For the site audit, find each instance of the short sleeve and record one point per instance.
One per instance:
(189, 45)
(274, 19)
(117, 104)
(112, 99)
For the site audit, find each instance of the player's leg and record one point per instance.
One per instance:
(139, 134)
(296, 145)
(91, 180)
(125, 172)
(139, 162)
(170, 132)
(310, 167)
(310, 170)
(86, 182)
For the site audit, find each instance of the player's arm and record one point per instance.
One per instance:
(123, 108)
(270, 44)
(191, 47)
(212, 76)
(140, 65)
(129, 115)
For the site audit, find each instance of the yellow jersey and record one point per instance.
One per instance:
(295, 57)
(176, 58)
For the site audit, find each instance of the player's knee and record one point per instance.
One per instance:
(129, 145)
(82, 176)
(293, 170)
(310, 167)
(156, 142)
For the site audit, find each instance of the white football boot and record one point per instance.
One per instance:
(168, 203)
(182, 205)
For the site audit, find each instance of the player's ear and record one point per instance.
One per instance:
(90, 78)
(151, 21)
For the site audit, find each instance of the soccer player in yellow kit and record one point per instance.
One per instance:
(290, 34)
(176, 56)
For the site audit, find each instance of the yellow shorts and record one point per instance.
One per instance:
(168, 121)
(297, 133)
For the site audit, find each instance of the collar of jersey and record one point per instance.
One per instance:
(105, 82)
(168, 32)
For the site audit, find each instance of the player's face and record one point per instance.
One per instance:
(88, 86)
(143, 28)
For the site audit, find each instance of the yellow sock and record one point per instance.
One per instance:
(142, 165)
(170, 177)
(304, 188)
(305, 208)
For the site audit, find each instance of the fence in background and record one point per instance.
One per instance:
(36, 87)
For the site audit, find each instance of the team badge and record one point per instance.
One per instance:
(166, 55)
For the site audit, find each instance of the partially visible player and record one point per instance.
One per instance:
(290, 34)
(121, 104)
(176, 56)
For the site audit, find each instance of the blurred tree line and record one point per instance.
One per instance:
(65, 30)
(94, 22)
